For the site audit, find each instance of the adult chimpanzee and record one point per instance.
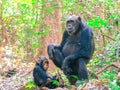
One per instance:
(41, 76)
(75, 50)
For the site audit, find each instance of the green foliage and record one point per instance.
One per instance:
(30, 85)
(78, 83)
(68, 83)
(74, 76)
(114, 86)
(24, 22)
(25, 17)
(110, 75)
(97, 22)
(55, 82)
(113, 51)
(95, 62)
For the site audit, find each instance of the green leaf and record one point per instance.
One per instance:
(74, 76)
(34, 1)
(55, 82)
(24, 4)
(30, 85)
(64, 79)
(80, 8)
(103, 22)
(110, 0)
(68, 83)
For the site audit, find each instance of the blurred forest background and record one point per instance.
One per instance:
(28, 26)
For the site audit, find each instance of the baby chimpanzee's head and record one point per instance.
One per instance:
(44, 63)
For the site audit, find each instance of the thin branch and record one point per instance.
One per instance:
(106, 67)
(108, 37)
(102, 37)
(82, 88)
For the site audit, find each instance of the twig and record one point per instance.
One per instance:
(93, 74)
(108, 37)
(106, 67)
(103, 37)
(83, 86)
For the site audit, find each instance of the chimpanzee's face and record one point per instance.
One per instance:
(72, 24)
(46, 66)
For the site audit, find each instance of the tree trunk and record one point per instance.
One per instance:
(55, 34)
(3, 35)
(100, 12)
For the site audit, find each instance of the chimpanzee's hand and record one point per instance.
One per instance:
(65, 66)
(66, 62)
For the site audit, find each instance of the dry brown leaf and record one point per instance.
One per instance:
(101, 82)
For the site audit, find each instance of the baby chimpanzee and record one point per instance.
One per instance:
(41, 77)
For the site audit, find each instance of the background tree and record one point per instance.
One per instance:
(28, 26)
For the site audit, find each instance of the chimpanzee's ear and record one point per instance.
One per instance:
(79, 18)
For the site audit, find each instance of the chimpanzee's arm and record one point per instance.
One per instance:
(51, 76)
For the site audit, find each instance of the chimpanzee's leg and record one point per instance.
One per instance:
(82, 69)
(55, 54)
(73, 74)
(40, 76)
(72, 79)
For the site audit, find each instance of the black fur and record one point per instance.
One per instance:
(41, 76)
(75, 50)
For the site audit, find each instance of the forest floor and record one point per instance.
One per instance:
(16, 74)
(18, 80)
(23, 75)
